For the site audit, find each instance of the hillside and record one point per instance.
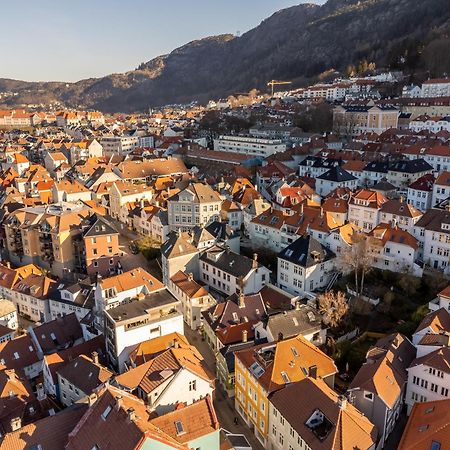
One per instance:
(296, 43)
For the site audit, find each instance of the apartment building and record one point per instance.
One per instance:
(267, 368)
(304, 266)
(248, 145)
(229, 273)
(44, 235)
(97, 247)
(124, 192)
(364, 209)
(118, 145)
(176, 375)
(119, 289)
(436, 87)
(400, 214)
(402, 173)
(433, 233)
(429, 378)
(127, 325)
(394, 249)
(358, 119)
(196, 205)
(85, 149)
(193, 296)
(80, 377)
(333, 179)
(441, 188)
(179, 253)
(324, 419)
(420, 193)
(378, 389)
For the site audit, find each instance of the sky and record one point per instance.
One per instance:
(50, 40)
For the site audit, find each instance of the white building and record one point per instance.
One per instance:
(117, 290)
(119, 145)
(128, 325)
(229, 273)
(441, 301)
(250, 146)
(8, 315)
(304, 266)
(438, 87)
(441, 188)
(420, 193)
(194, 298)
(433, 233)
(333, 179)
(429, 378)
(394, 249)
(364, 209)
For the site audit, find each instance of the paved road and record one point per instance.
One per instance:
(223, 405)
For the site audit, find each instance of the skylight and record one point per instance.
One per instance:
(179, 427)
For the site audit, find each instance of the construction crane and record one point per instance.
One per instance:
(276, 83)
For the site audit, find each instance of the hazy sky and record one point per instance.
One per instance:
(59, 40)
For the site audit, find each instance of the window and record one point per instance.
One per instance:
(106, 412)
(193, 385)
(368, 396)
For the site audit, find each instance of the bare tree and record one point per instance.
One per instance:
(333, 306)
(356, 258)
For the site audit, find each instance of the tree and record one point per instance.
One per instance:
(333, 306)
(356, 258)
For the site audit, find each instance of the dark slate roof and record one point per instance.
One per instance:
(228, 261)
(304, 320)
(96, 226)
(377, 166)
(337, 174)
(410, 166)
(321, 162)
(220, 230)
(228, 352)
(306, 252)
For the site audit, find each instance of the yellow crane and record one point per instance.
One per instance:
(273, 83)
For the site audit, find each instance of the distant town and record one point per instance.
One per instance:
(265, 271)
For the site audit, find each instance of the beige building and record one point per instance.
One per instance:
(196, 205)
(123, 192)
(357, 119)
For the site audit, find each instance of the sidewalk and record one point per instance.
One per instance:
(224, 406)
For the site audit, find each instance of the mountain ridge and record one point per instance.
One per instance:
(297, 43)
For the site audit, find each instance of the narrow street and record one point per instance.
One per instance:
(223, 405)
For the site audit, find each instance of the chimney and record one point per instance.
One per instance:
(313, 372)
(131, 414)
(280, 336)
(94, 356)
(40, 392)
(342, 402)
(244, 335)
(92, 399)
(298, 305)
(11, 373)
(255, 261)
(16, 423)
(119, 402)
(241, 300)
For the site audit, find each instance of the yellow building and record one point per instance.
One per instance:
(266, 368)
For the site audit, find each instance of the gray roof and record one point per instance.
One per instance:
(139, 308)
(228, 261)
(305, 320)
(306, 252)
